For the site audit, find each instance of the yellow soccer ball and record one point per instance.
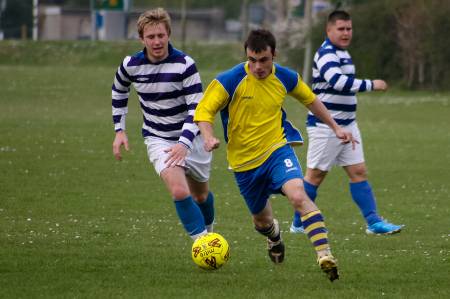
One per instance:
(210, 251)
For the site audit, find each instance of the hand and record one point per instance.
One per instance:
(346, 136)
(121, 138)
(379, 85)
(177, 154)
(211, 143)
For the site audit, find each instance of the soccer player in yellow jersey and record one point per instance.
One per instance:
(249, 97)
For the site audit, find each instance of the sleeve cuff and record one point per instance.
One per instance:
(120, 126)
(186, 142)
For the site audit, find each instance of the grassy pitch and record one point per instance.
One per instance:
(76, 223)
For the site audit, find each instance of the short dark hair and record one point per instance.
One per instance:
(338, 15)
(259, 39)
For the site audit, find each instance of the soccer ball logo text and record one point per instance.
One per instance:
(210, 251)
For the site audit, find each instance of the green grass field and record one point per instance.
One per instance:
(76, 223)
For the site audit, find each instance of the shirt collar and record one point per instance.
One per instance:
(170, 50)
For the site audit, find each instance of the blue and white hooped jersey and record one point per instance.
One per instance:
(168, 92)
(335, 84)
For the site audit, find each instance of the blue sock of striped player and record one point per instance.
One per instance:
(191, 217)
(207, 208)
(311, 191)
(363, 196)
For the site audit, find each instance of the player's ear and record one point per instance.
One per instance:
(327, 28)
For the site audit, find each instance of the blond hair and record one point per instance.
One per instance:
(153, 17)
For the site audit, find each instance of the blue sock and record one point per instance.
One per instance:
(207, 208)
(363, 196)
(311, 191)
(190, 215)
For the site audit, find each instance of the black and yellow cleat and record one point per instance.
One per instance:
(276, 251)
(328, 264)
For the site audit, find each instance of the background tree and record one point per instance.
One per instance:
(411, 20)
(16, 19)
(402, 41)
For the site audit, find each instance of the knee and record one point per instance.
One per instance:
(358, 174)
(200, 197)
(299, 198)
(179, 192)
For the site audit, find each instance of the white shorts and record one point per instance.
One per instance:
(326, 150)
(197, 162)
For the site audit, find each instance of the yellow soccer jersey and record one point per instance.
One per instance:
(253, 120)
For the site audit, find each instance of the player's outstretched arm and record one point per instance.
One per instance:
(207, 132)
(120, 139)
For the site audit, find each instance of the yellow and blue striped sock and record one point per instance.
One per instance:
(311, 191)
(315, 229)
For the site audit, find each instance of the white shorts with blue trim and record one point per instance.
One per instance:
(326, 150)
(197, 162)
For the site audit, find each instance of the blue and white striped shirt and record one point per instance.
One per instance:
(335, 84)
(168, 91)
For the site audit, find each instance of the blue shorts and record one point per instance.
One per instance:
(256, 185)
